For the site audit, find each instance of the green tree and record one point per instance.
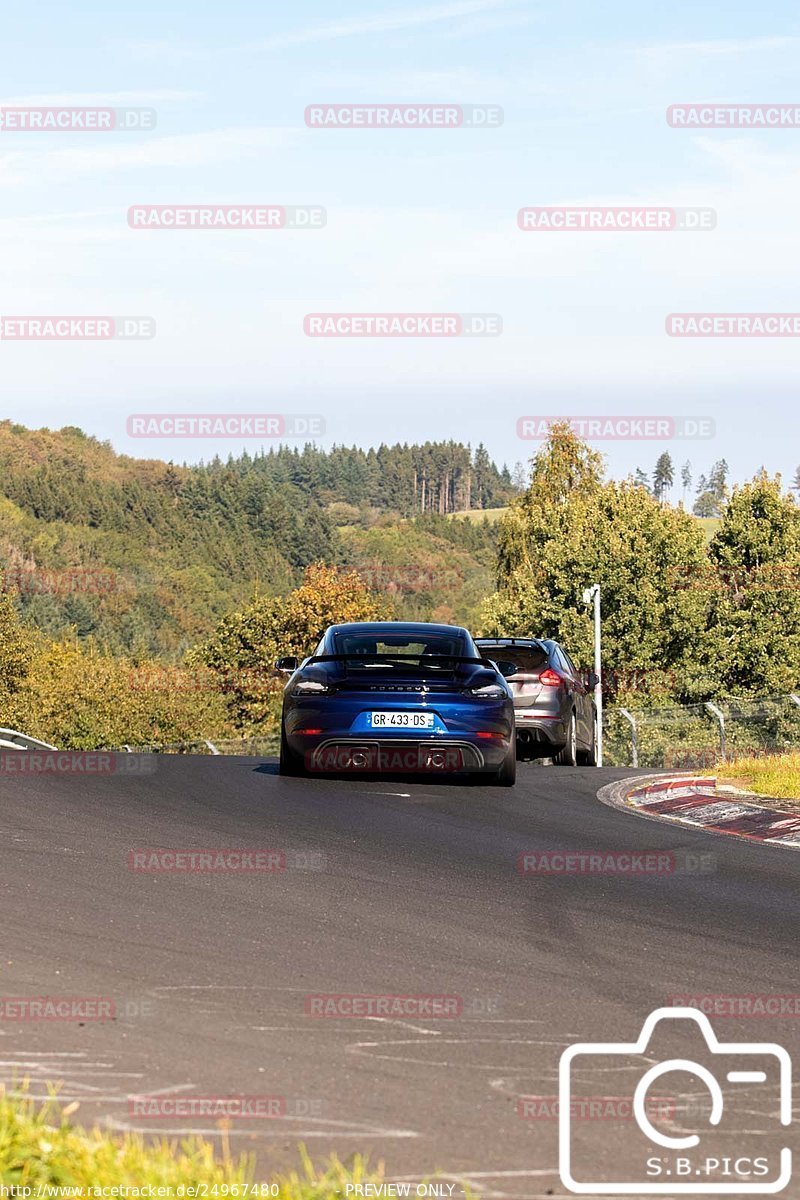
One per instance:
(243, 648)
(754, 619)
(686, 480)
(663, 476)
(571, 529)
(16, 650)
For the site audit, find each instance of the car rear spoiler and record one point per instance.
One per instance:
(458, 658)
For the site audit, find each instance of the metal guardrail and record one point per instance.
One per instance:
(13, 739)
(699, 735)
(265, 744)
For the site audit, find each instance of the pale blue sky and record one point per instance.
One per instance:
(417, 220)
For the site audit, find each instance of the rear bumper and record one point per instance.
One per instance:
(545, 731)
(470, 737)
(399, 755)
(396, 756)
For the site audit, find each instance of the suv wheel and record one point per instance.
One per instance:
(568, 755)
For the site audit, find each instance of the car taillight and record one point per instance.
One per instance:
(550, 678)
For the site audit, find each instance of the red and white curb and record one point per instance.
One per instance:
(696, 801)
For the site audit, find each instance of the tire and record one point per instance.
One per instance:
(588, 758)
(568, 755)
(289, 763)
(506, 775)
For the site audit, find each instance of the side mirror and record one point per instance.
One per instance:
(506, 668)
(591, 680)
(287, 664)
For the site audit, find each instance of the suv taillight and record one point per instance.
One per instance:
(550, 678)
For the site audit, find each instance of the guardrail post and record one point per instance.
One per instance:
(712, 708)
(623, 712)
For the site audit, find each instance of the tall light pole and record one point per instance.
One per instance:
(593, 594)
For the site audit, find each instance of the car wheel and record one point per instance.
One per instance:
(289, 763)
(506, 776)
(588, 758)
(568, 755)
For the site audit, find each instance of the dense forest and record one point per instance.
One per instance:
(144, 555)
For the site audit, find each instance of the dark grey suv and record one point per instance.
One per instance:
(553, 702)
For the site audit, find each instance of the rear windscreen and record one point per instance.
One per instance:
(400, 645)
(526, 659)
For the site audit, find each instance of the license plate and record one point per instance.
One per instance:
(401, 720)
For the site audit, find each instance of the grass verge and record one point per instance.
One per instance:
(776, 775)
(40, 1146)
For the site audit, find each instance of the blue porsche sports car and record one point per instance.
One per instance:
(398, 697)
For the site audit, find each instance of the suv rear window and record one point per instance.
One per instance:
(527, 659)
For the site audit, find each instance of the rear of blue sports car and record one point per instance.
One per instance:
(392, 697)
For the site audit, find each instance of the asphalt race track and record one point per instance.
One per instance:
(390, 888)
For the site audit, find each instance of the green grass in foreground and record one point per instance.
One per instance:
(39, 1145)
(775, 775)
